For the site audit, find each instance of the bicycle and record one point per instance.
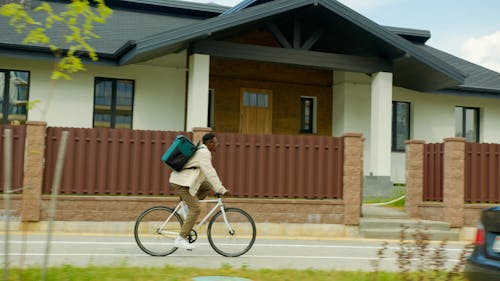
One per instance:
(231, 232)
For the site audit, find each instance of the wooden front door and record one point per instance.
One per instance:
(256, 111)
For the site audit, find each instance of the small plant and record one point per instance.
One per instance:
(459, 266)
(417, 261)
(380, 256)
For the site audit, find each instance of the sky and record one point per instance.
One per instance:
(469, 29)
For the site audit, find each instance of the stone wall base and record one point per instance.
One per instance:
(264, 230)
(436, 211)
(128, 208)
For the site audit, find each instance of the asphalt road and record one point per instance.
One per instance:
(87, 249)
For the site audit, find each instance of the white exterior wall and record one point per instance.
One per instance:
(352, 108)
(432, 115)
(433, 119)
(159, 96)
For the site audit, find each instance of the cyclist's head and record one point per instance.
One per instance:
(210, 141)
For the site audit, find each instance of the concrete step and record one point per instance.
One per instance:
(399, 223)
(436, 235)
(374, 211)
(390, 228)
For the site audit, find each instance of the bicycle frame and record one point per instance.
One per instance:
(218, 204)
(230, 231)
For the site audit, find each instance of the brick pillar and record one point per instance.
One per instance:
(198, 133)
(33, 170)
(453, 182)
(414, 175)
(353, 177)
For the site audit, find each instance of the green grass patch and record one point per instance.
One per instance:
(399, 190)
(173, 273)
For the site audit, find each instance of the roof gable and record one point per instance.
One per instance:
(391, 45)
(177, 39)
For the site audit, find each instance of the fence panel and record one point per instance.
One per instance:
(18, 144)
(482, 173)
(281, 165)
(127, 162)
(433, 172)
(110, 161)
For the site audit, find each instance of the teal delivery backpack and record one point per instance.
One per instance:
(179, 152)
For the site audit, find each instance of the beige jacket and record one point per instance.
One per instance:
(204, 171)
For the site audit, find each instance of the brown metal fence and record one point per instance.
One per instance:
(110, 161)
(127, 162)
(482, 173)
(433, 172)
(281, 165)
(18, 143)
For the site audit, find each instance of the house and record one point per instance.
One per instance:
(266, 67)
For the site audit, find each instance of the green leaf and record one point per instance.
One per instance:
(31, 104)
(54, 48)
(37, 36)
(44, 7)
(79, 18)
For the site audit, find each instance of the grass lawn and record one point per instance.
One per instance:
(170, 273)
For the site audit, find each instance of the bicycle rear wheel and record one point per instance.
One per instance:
(149, 234)
(235, 240)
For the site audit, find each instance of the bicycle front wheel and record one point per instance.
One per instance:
(234, 238)
(154, 234)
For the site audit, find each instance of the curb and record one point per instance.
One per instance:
(264, 230)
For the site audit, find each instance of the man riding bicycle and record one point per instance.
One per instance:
(194, 182)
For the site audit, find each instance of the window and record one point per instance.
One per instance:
(14, 96)
(307, 115)
(400, 125)
(113, 103)
(467, 123)
(255, 99)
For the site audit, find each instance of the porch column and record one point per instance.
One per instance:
(378, 183)
(197, 100)
(380, 124)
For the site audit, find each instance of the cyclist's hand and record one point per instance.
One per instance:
(218, 194)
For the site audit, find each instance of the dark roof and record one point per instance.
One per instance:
(411, 34)
(478, 78)
(245, 4)
(149, 17)
(204, 10)
(180, 38)
(174, 40)
(163, 26)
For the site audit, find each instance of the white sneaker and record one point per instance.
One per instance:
(183, 243)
